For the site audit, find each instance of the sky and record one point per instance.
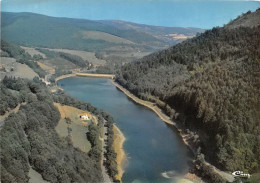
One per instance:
(172, 13)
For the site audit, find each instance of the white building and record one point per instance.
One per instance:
(85, 116)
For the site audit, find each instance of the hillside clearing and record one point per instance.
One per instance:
(47, 68)
(60, 63)
(96, 35)
(35, 177)
(23, 71)
(33, 51)
(75, 129)
(89, 56)
(15, 69)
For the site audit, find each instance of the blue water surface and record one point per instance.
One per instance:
(152, 147)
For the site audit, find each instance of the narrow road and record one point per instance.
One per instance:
(227, 176)
(47, 77)
(2, 118)
(103, 159)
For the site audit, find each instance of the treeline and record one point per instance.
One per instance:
(113, 62)
(210, 84)
(78, 61)
(74, 59)
(34, 65)
(28, 138)
(47, 52)
(15, 51)
(12, 50)
(93, 135)
(110, 154)
(111, 67)
(8, 100)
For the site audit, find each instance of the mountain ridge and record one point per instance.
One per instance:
(248, 19)
(59, 32)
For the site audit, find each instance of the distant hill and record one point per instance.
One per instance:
(210, 84)
(30, 29)
(171, 35)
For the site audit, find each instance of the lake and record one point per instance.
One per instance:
(152, 146)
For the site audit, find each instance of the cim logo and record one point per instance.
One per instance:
(241, 174)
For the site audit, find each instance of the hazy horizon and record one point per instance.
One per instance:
(200, 14)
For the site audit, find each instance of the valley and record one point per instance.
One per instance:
(116, 101)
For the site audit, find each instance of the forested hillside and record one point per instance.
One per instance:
(29, 140)
(168, 34)
(210, 84)
(25, 28)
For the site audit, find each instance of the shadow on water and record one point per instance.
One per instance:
(175, 131)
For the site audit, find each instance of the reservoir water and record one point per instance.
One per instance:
(152, 147)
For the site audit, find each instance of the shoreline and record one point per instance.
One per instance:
(185, 137)
(157, 111)
(64, 76)
(121, 158)
(109, 76)
(148, 104)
